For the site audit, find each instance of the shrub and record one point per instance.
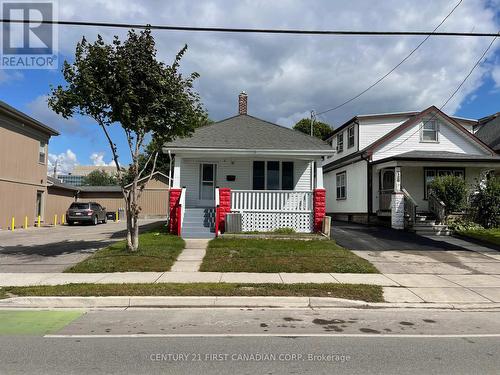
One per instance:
(485, 203)
(452, 191)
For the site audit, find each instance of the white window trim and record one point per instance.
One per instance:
(436, 123)
(337, 186)
(340, 136)
(44, 152)
(351, 128)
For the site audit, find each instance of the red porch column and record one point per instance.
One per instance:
(319, 204)
(173, 225)
(224, 208)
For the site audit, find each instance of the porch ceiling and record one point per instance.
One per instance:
(198, 153)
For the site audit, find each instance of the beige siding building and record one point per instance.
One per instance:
(23, 167)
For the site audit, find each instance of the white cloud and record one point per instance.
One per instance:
(495, 74)
(66, 161)
(39, 109)
(98, 159)
(286, 75)
(291, 120)
(8, 76)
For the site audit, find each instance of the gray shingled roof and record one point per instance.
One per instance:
(441, 155)
(101, 189)
(58, 183)
(489, 132)
(251, 133)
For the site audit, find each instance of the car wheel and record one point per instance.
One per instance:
(70, 223)
(105, 219)
(95, 220)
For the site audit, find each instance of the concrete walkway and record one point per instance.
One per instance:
(398, 288)
(191, 257)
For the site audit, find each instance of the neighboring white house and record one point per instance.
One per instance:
(385, 163)
(268, 173)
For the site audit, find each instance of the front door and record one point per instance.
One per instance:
(208, 177)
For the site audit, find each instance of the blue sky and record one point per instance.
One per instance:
(285, 76)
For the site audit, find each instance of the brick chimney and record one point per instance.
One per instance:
(242, 103)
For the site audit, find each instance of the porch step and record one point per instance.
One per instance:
(198, 223)
(430, 228)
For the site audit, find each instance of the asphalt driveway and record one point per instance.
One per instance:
(393, 251)
(55, 249)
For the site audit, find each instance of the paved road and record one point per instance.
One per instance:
(262, 342)
(393, 251)
(54, 249)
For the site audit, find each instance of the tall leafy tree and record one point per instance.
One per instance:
(124, 83)
(320, 129)
(99, 177)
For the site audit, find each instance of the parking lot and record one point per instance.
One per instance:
(53, 249)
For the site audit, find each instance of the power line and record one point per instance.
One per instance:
(451, 96)
(248, 30)
(395, 67)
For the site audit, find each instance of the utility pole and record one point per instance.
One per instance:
(312, 122)
(55, 168)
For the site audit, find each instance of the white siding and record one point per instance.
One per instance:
(372, 129)
(347, 150)
(356, 189)
(450, 139)
(241, 168)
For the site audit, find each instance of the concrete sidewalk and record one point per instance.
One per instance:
(398, 288)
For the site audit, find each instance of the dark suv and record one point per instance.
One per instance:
(90, 212)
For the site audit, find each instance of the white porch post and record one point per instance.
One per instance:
(397, 202)
(177, 172)
(319, 174)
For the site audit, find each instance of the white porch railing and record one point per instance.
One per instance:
(271, 201)
(182, 203)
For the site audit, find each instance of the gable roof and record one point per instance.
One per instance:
(30, 121)
(489, 131)
(412, 121)
(248, 133)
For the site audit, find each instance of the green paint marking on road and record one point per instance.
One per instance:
(35, 323)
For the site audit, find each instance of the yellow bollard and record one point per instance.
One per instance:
(116, 217)
(55, 220)
(26, 222)
(13, 224)
(62, 219)
(38, 221)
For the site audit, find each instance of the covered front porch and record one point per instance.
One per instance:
(265, 192)
(410, 180)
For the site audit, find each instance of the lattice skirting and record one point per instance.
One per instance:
(269, 221)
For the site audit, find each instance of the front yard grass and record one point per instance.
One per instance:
(486, 235)
(368, 293)
(158, 250)
(269, 255)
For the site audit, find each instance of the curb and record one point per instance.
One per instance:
(225, 302)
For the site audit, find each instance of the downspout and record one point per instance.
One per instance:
(170, 169)
(369, 185)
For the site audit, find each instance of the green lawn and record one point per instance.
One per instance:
(269, 255)
(158, 250)
(368, 293)
(486, 235)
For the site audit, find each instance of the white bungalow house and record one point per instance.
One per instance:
(385, 163)
(270, 174)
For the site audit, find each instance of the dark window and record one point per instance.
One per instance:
(79, 206)
(350, 137)
(41, 152)
(273, 175)
(287, 175)
(341, 185)
(340, 142)
(259, 177)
